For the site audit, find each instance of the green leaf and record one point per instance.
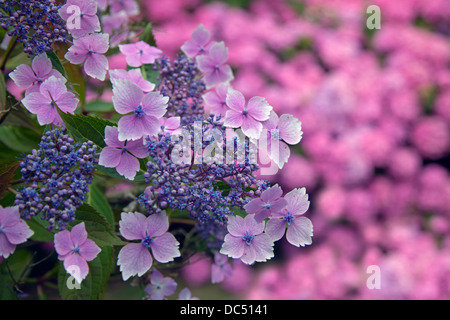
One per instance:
(7, 172)
(85, 128)
(19, 138)
(6, 285)
(40, 232)
(56, 63)
(147, 35)
(149, 73)
(99, 106)
(3, 106)
(98, 201)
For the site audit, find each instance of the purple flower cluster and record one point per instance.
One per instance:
(58, 175)
(36, 24)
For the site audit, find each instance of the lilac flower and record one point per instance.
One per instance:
(151, 231)
(186, 294)
(246, 240)
(160, 287)
(13, 230)
(299, 229)
(220, 269)
(87, 17)
(198, 44)
(89, 50)
(52, 94)
(283, 130)
(269, 203)
(139, 53)
(122, 155)
(75, 249)
(213, 66)
(249, 116)
(31, 78)
(135, 76)
(216, 100)
(147, 110)
(170, 125)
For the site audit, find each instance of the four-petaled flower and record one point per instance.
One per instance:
(247, 117)
(267, 204)
(246, 240)
(89, 50)
(75, 249)
(139, 53)
(31, 78)
(198, 44)
(299, 229)
(13, 230)
(147, 110)
(160, 287)
(81, 17)
(52, 94)
(135, 75)
(122, 155)
(135, 258)
(282, 131)
(220, 269)
(214, 67)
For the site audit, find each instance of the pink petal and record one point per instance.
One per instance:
(128, 166)
(298, 202)
(157, 225)
(276, 228)
(6, 248)
(272, 193)
(111, 137)
(9, 216)
(99, 42)
(88, 24)
(251, 127)
(23, 76)
(272, 122)
(263, 247)
(254, 206)
(134, 259)
(76, 54)
(233, 246)
(290, 129)
(129, 49)
(235, 100)
(155, 104)
(219, 53)
(150, 55)
(249, 255)
(78, 234)
(236, 226)
(76, 266)
(134, 60)
(279, 155)
(132, 226)
(172, 123)
(63, 243)
(110, 157)
(131, 127)
(214, 76)
(259, 108)
(253, 226)
(18, 233)
(67, 102)
(300, 231)
(89, 250)
(127, 96)
(151, 125)
(233, 119)
(48, 114)
(41, 65)
(165, 248)
(53, 88)
(137, 148)
(96, 66)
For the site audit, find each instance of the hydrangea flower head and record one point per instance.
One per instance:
(90, 50)
(283, 130)
(75, 249)
(151, 232)
(247, 241)
(147, 110)
(198, 44)
(52, 94)
(122, 155)
(13, 230)
(299, 229)
(268, 203)
(31, 78)
(87, 17)
(160, 287)
(139, 53)
(214, 67)
(248, 116)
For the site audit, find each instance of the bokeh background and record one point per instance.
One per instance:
(375, 109)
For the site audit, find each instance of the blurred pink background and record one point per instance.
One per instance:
(375, 109)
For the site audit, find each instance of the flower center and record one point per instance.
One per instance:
(288, 218)
(1, 230)
(217, 67)
(91, 51)
(141, 52)
(139, 111)
(76, 250)
(245, 112)
(267, 205)
(124, 149)
(248, 238)
(147, 241)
